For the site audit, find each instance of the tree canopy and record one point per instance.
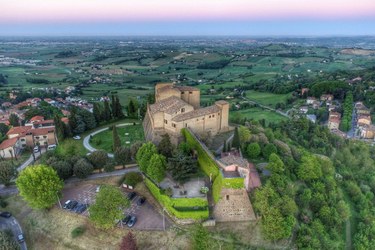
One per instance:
(39, 185)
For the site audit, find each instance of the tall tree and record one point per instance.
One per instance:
(107, 112)
(14, 120)
(244, 134)
(98, 159)
(182, 167)
(82, 168)
(108, 207)
(128, 242)
(236, 143)
(115, 139)
(122, 155)
(40, 186)
(156, 167)
(165, 146)
(60, 128)
(63, 168)
(253, 150)
(144, 155)
(97, 112)
(7, 172)
(132, 108)
(275, 164)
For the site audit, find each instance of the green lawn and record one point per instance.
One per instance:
(264, 98)
(129, 134)
(71, 147)
(258, 114)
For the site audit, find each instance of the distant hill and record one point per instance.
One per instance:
(358, 52)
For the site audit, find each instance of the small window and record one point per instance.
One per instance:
(182, 92)
(227, 197)
(165, 121)
(173, 125)
(186, 125)
(190, 92)
(209, 117)
(22, 139)
(44, 136)
(37, 137)
(213, 116)
(182, 110)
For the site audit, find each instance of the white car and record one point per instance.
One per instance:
(51, 147)
(36, 149)
(76, 137)
(97, 189)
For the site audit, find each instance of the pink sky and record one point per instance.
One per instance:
(21, 11)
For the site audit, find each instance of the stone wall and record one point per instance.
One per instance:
(234, 205)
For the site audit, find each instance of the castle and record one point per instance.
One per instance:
(178, 107)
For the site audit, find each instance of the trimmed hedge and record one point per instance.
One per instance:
(235, 183)
(173, 204)
(207, 164)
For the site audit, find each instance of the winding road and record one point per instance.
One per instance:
(12, 224)
(86, 140)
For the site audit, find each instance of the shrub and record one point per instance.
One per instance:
(132, 179)
(78, 231)
(204, 190)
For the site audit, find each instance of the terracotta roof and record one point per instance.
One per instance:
(42, 131)
(45, 122)
(196, 113)
(334, 120)
(37, 118)
(65, 120)
(18, 130)
(169, 105)
(8, 143)
(221, 102)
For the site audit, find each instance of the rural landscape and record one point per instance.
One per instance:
(178, 125)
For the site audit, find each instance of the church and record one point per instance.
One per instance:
(178, 107)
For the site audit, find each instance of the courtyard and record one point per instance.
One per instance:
(190, 189)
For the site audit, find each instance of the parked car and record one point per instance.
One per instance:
(20, 238)
(126, 219)
(72, 205)
(36, 149)
(131, 195)
(81, 208)
(51, 147)
(97, 189)
(76, 137)
(5, 214)
(132, 221)
(75, 209)
(141, 201)
(66, 204)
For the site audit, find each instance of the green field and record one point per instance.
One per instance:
(127, 134)
(267, 99)
(259, 114)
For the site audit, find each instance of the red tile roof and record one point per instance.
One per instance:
(8, 143)
(18, 130)
(37, 118)
(42, 131)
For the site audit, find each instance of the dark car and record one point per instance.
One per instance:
(81, 208)
(67, 204)
(126, 219)
(131, 195)
(75, 209)
(132, 221)
(72, 205)
(5, 214)
(141, 201)
(20, 238)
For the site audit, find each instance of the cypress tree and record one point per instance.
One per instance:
(225, 146)
(236, 139)
(116, 139)
(107, 112)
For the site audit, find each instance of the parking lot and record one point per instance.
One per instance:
(147, 217)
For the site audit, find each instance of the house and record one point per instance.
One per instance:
(334, 114)
(363, 120)
(368, 132)
(178, 107)
(316, 104)
(334, 123)
(6, 104)
(234, 165)
(304, 109)
(304, 90)
(310, 100)
(326, 97)
(10, 148)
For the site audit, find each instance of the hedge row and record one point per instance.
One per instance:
(235, 183)
(171, 203)
(207, 164)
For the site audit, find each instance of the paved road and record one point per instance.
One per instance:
(12, 224)
(86, 140)
(133, 168)
(31, 159)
